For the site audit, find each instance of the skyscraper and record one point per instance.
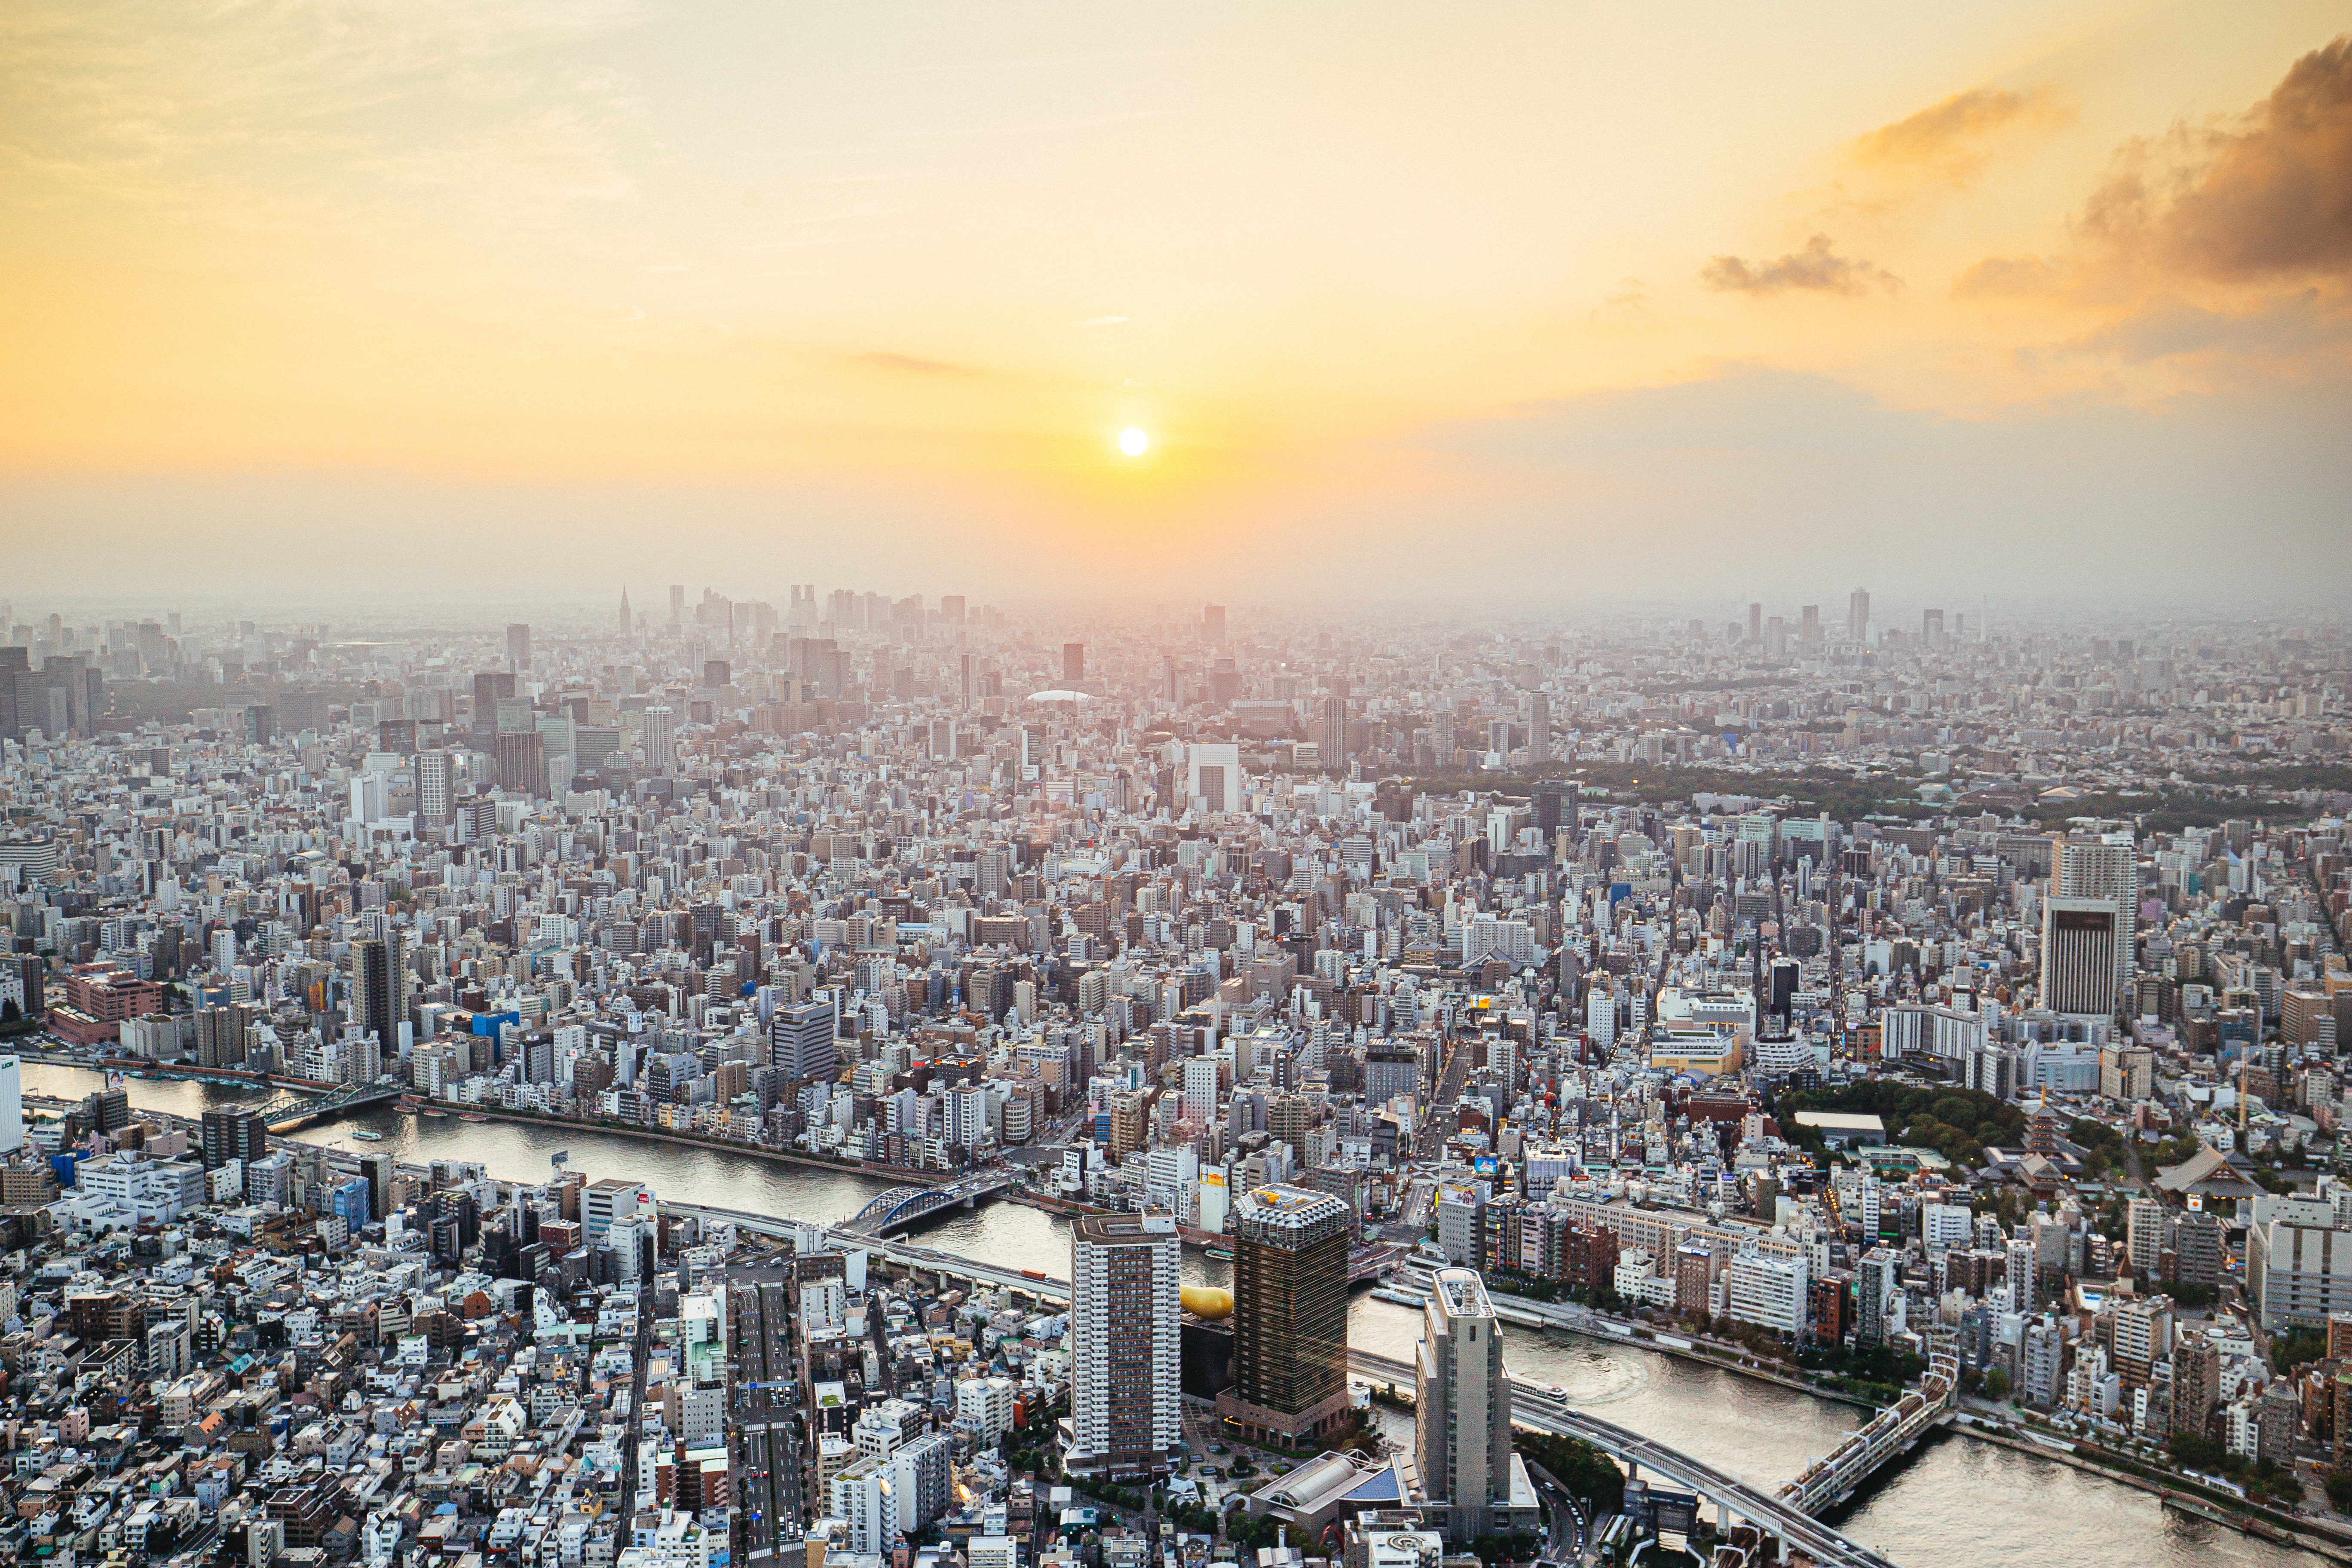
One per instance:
(661, 738)
(519, 647)
(433, 786)
(1213, 623)
(629, 623)
(1074, 662)
(2105, 867)
(2078, 956)
(1857, 617)
(1125, 1355)
(1538, 730)
(1809, 633)
(1462, 1407)
(379, 987)
(1290, 1316)
(1755, 623)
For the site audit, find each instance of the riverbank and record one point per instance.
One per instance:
(2331, 1541)
(625, 1130)
(1527, 1312)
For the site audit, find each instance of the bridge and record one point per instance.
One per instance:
(902, 1206)
(1737, 1502)
(1829, 1481)
(288, 1112)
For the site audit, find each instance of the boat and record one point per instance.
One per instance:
(471, 1115)
(436, 1113)
(409, 1102)
(362, 1133)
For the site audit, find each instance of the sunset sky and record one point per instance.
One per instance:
(1520, 302)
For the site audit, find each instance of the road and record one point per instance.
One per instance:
(764, 1425)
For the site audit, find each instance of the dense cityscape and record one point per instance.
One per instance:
(1926, 1012)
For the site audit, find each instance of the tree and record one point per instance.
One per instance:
(1996, 1385)
(2339, 1491)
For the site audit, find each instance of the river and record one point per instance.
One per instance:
(1957, 1503)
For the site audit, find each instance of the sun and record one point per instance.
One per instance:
(1134, 441)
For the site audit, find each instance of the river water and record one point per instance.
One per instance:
(1957, 1503)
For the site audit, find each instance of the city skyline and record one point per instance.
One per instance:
(573, 295)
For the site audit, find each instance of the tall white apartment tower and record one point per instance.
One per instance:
(1125, 1359)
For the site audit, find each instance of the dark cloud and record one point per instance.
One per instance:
(2268, 195)
(1948, 137)
(884, 360)
(1817, 269)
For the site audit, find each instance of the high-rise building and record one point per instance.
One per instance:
(519, 647)
(2105, 867)
(1074, 662)
(628, 621)
(661, 738)
(1857, 617)
(379, 1001)
(1126, 1359)
(1755, 623)
(1290, 1316)
(1334, 735)
(490, 688)
(1555, 802)
(1212, 624)
(436, 786)
(1808, 630)
(677, 604)
(801, 1039)
(522, 762)
(1462, 1409)
(2078, 956)
(233, 1134)
(1538, 730)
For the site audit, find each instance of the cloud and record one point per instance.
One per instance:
(913, 365)
(1103, 321)
(2011, 278)
(1817, 268)
(2265, 195)
(2287, 327)
(1946, 139)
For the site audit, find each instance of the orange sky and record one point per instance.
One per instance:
(865, 293)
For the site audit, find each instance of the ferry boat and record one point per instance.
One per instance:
(362, 1133)
(436, 1114)
(409, 1102)
(471, 1115)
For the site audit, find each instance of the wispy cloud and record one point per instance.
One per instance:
(1815, 270)
(1950, 139)
(914, 365)
(1103, 321)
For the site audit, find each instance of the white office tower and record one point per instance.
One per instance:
(2078, 956)
(661, 738)
(1462, 1420)
(1125, 1356)
(2108, 868)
